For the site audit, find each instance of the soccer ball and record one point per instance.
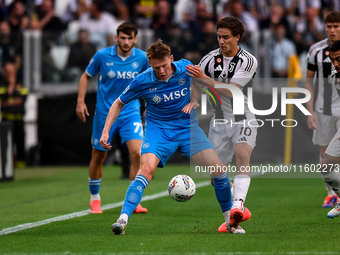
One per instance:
(182, 188)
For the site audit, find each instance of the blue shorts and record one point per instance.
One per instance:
(163, 142)
(128, 128)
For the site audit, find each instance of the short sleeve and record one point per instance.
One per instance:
(132, 92)
(205, 65)
(246, 72)
(94, 66)
(311, 59)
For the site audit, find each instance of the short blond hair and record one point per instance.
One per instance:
(158, 50)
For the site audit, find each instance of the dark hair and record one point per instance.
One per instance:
(99, 4)
(332, 17)
(158, 50)
(335, 46)
(280, 24)
(82, 30)
(233, 24)
(11, 7)
(127, 28)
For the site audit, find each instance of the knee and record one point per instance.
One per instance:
(242, 157)
(135, 156)
(328, 164)
(98, 157)
(325, 168)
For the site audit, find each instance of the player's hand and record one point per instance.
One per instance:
(312, 121)
(103, 142)
(81, 111)
(193, 104)
(195, 71)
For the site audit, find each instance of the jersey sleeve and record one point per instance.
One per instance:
(183, 63)
(94, 66)
(132, 92)
(204, 64)
(246, 72)
(311, 60)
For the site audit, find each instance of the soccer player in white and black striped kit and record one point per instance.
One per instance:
(235, 134)
(331, 161)
(324, 104)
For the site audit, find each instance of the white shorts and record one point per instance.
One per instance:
(327, 127)
(224, 137)
(333, 148)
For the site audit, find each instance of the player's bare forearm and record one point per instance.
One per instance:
(83, 86)
(81, 109)
(114, 112)
(312, 120)
(195, 71)
(194, 97)
(195, 94)
(310, 87)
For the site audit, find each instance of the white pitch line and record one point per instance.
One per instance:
(17, 228)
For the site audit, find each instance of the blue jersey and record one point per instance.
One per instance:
(164, 99)
(115, 75)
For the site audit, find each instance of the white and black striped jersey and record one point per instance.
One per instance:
(336, 80)
(326, 99)
(240, 69)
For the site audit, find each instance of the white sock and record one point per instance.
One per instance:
(95, 197)
(330, 192)
(94, 186)
(333, 179)
(226, 215)
(241, 185)
(124, 217)
(232, 193)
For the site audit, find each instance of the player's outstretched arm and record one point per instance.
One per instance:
(195, 71)
(312, 121)
(81, 109)
(114, 112)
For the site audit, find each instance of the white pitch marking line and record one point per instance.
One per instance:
(17, 228)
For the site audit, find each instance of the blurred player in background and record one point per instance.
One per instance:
(117, 66)
(166, 90)
(233, 65)
(331, 159)
(324, 104)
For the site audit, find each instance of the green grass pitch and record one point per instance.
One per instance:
(287, 217)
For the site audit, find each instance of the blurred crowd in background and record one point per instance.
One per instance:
(275, 29)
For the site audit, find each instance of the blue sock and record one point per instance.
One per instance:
(222, 191)
(134, 194)
(94, 186)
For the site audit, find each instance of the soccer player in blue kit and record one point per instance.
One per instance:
(117, 66)
(166, 89)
